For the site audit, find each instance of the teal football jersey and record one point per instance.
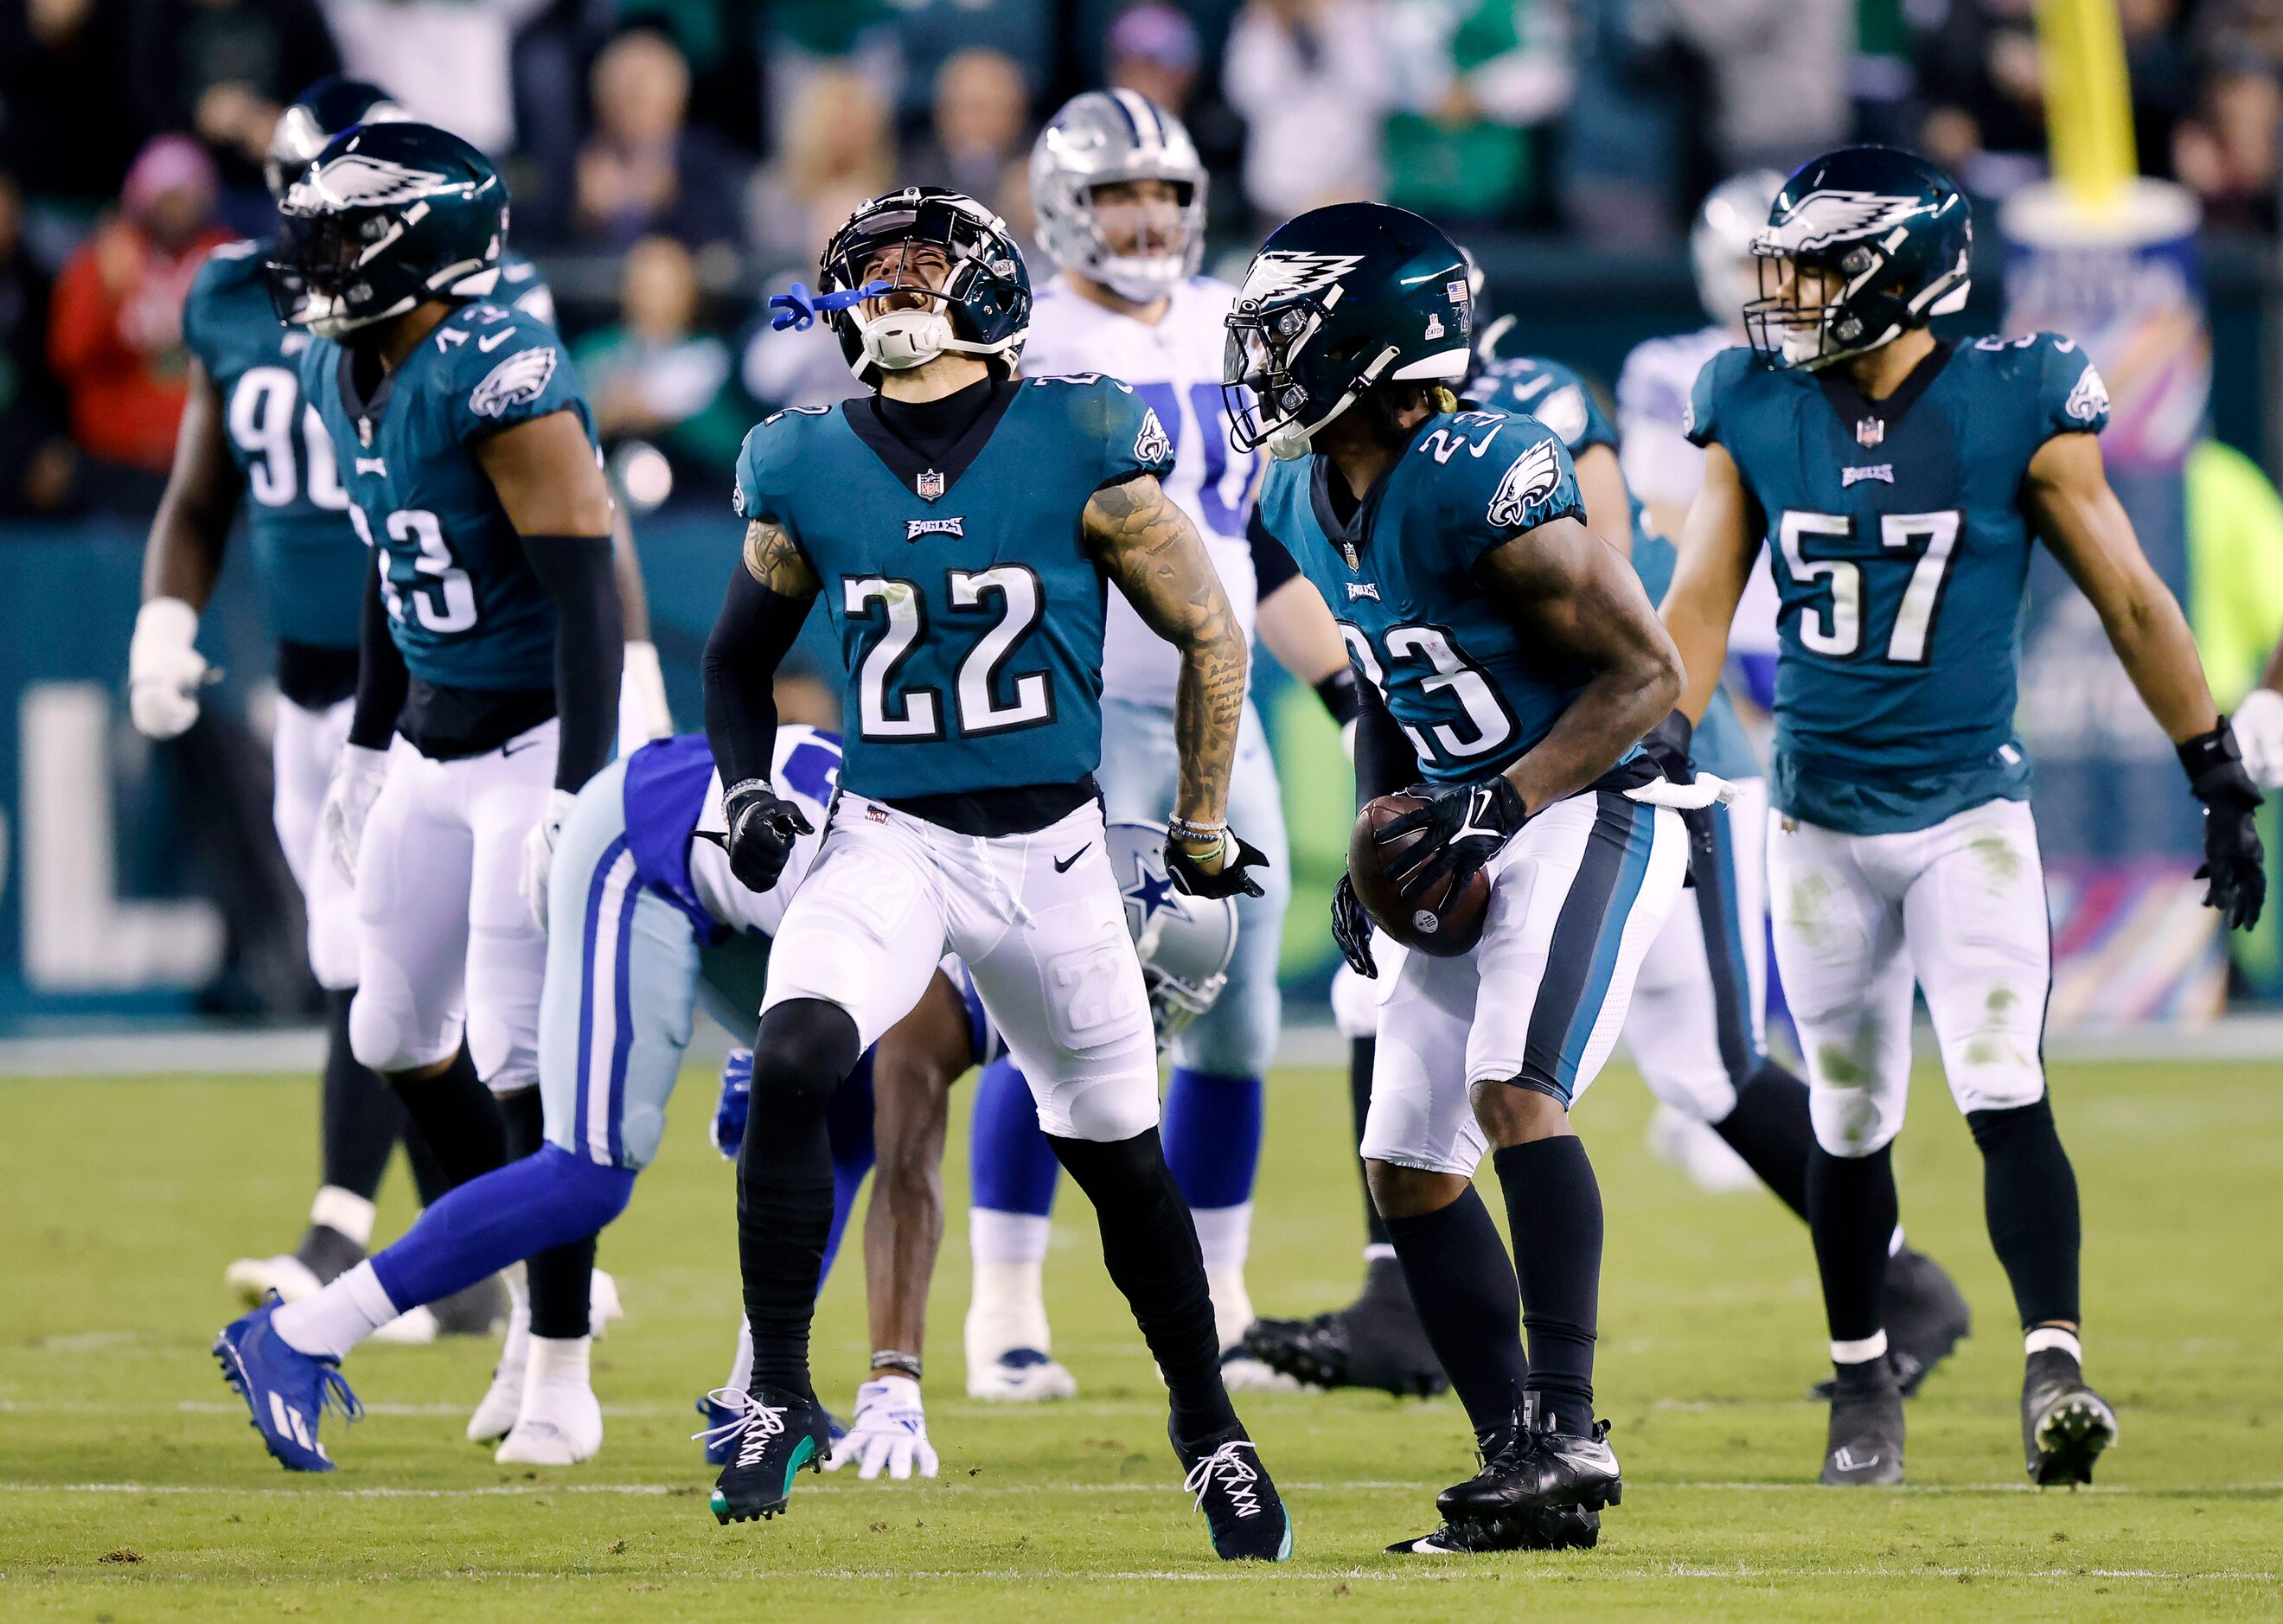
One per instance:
(310, 562)
(1901, 547)
(1558, 398)
(1469, 691)
(463, 607)
(967, 603)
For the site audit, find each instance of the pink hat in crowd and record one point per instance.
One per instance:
(167, 163)
(1155, 33)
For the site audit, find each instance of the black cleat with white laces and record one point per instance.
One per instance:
(1864, 1447)
(1242, 1507)
(1536, 1468)
(773, 1433)
(1561, 1528)
(2065, 1425)
(1375, 1341)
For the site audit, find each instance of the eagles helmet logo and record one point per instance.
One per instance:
(1150, 445)
(1534, 474)
(355, 181)
(522, 377)
(1822, 218)
(2090, 399)
(1281, 273)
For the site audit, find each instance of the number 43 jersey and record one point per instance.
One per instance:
(964, 596)
(1901, 547)
(1469, 689)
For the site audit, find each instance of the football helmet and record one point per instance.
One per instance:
(1185, 943)
(388, 215)
(983, 307)
(1100, 138)
(325, 109)
(1886, 233)
(1337, 300)
(1720, 243)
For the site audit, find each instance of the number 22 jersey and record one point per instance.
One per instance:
(1901, 548)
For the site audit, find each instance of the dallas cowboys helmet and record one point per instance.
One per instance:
(1100, 138)
(1892, 240)
(1337, 300)
(325, 109)
(1185, 943)
(1720, 243)
(983, 308)
(388, 216)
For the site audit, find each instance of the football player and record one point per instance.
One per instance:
(490, 650)
(1120, 198)
(1900, 480)
(651, 922)
(246, 431)
(1509, 663)
(958, 525)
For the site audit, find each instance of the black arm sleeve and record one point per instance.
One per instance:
(381, 676)
(750, 640)
(1385, 760)
(1272, 565)
(590, 648)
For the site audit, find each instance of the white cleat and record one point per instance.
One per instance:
(561, 1425)
(251, 1280)
(1241, 1374)
(1680, 1140)
(603, 1304)
(1020, 1376)
(495, 1415)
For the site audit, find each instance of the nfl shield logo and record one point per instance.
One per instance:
(1869, 431)
(930, 485)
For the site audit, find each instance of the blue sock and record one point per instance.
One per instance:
(848, 1124)
(1212, 1130)
(1014, 1167)
(548, 1198)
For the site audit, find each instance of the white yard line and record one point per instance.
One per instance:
(963, 1487)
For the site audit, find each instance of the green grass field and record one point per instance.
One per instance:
(131, 1487)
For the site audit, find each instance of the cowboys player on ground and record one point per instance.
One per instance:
(1120, 199)
(1900, 480)
(958, 525)
(1511, 660)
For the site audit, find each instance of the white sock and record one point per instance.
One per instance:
(1010, 1301)
(561, 1360)
(741, 1363)
(339, 1317)
(1872, 1346)
(344, 1210)
(1224, 1235)
(2053, 1336)
(995, 1237)
(1232, 1304)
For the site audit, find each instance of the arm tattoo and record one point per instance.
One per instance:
(773, 559)
(1149, 548)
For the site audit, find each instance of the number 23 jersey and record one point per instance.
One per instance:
(966, 600)
(1901, 547)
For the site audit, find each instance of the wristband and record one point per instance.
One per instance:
(1339, 695)
(1182, 829)
(2213, 762)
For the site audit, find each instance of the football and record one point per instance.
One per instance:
(1438, 921)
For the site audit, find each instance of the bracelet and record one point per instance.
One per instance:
(1181, 829)
(895, 1359)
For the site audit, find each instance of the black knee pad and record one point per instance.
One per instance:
(805, 1049)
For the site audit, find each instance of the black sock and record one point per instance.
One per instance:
(427, 1173)
(1770, 1128)
(1553, 1210)
(461, 1122)
(1361, 1051)
(561, 1279)
(804, 1049)
(1149, 1246)
(1850, 1213)
(2029, 1192)
(359, 1116)
(1463, 1285)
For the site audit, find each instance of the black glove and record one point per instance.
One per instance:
(1667, 745)
(2234, 862)
(1230, 881)
(763, 825)
(1351, 928)
(1465, 825)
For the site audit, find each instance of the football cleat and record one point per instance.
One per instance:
(1020, 1376)
(1534, 1468)
(2065, 1425)
(1241, 1372)
(1561, 1528)
(1864, 1448)
(251, 1280)
(603, 1304)
(1242, 1507)
(502, 1400)
(1376, 1341)
(286, 1391)
(771, 1434)
(560, 1425)
(478, 1310)
(1926, 1317)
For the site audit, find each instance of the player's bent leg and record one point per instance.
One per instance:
(1674, 1031)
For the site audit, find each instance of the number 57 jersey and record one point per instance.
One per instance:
(1901, 547)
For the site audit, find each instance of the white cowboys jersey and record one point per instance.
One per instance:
(1661, 466)
(1175, 366)
(805, 770)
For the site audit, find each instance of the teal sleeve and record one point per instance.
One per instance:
(513, 368)
(1133, 441)
(2071, 398)
(1702, 425)
(1553, 394)
(1529, 482)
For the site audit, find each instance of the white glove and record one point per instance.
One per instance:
(889, 1430)
(354, 786)
(642, 712)
(539, 853)
(164, 668)
(2258, 723)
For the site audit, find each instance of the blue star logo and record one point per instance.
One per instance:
(1150, 893)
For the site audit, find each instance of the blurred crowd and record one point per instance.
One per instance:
(694, 154)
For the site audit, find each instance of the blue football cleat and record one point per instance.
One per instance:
(719, 1436)
(285, 1391)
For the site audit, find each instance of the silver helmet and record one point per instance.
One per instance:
(1184, 942)
(1720, 243)
(1105, 137)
